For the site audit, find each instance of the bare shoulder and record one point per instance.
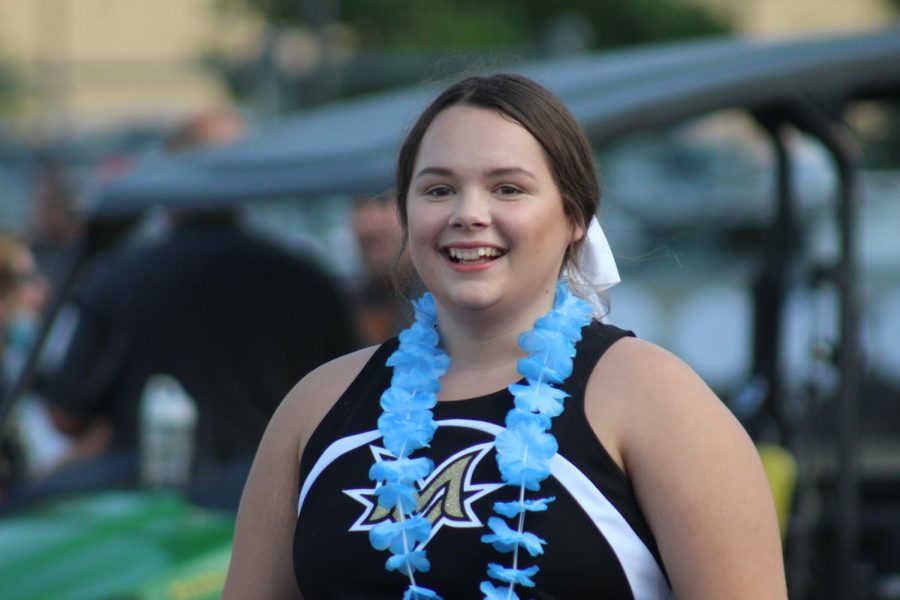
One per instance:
(261, 564)
(641, 394)
(647, 369)
(637, 387)
(694, 469)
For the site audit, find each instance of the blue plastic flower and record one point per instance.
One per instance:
(505, 539)
(418, 344)
(403, 470)
(403, 418)
(516, 417)
(524, 453)
(417, 592)
(406, 432)
(409, 562)
(418, 350)
(496, 593)
(390, 534)
(512, 509)
(541, 398)
(410, 418)
(426, 312)
(397, 399)
(432, 363)
(570, 328)
(570, 305)
(419, 333)
(533, 367)
(397, 495)
(411, 380)
(517, 576)
(555, 345)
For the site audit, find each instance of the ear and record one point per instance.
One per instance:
(577, 233)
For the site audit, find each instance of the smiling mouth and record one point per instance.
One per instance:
(470, 256)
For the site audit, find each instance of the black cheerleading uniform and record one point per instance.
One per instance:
(599, 544)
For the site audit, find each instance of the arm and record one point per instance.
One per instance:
(80, 366)
(262, 558)
(695, 471)
(66, 421)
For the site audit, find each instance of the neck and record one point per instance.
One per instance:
(483, 345)
(477, 347)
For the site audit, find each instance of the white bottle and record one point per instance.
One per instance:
(168, 424)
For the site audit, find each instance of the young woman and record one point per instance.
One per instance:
(507, 445)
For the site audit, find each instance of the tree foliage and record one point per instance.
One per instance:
(439, 25)
(401, 41)
(10, 87)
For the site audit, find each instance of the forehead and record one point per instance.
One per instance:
(468, 136)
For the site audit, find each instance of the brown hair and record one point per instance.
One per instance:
(532, 106)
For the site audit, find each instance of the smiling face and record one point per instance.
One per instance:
(486, 224)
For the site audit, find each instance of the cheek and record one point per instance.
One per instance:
(543, 228)
(424, 222)
(422, 233)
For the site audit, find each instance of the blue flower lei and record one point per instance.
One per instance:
(524, 448)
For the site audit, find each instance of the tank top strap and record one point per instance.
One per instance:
(375, 372)
(596, 339)
(349, 411)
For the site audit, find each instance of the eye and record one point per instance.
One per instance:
(438, 191)
(507, 190)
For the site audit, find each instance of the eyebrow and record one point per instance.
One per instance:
(498, 172)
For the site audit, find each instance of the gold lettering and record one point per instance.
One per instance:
(441, 497)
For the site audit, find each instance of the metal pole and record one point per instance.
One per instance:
(848, 428)
(772, 285)
(848, 575)
(849, 583)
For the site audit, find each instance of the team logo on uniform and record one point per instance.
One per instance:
(445, 496)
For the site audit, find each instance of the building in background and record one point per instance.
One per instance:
(89, 62)
(779, 18)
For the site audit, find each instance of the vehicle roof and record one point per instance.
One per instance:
(350, 147)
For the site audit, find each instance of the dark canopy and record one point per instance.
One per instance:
(350, 147)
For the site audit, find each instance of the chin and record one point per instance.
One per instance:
(471, 297)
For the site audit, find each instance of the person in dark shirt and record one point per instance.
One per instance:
(235, 319)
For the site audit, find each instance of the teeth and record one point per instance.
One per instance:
(473, 253)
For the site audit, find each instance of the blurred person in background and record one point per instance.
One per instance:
(55, 225)
(23, 293)
(215, 127)
(381, 309)
(235, 320)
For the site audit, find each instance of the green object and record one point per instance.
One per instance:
(781, 471)
(116, 545)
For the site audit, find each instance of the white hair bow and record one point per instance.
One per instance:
(598, 269)
(595, 258)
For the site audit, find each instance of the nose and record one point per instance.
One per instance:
(471, 210)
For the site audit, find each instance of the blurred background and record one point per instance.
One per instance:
(90, 82)
(91, 88)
